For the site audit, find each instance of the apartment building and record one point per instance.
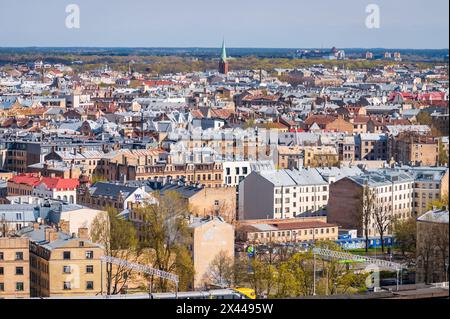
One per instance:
(371, 146)
(290, 157)
(234, 172)
(131, 164)
(62, 264)
(210, 237)
(14, 267)
(13, 217)
(346, 148)
(414, 149)
(89, 161)
(430, 184)
(207, 174)
(64, 189)
(22, 184)
(320, 156)
(393, 193)
(432, 246)
(102, 195)
(273, 194)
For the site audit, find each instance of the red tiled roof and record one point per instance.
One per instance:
(157, 83)
(27, 179)
(302, 225)
(60, 183)
(319, 119)
(361, 119)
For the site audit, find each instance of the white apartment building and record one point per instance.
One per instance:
(275, 194)
(234, 172)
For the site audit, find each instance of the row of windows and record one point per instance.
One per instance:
(237, 170)
(89, 254)
(295, 233)
(18, 255)
(18, 271)
(301, 209)
(301, 189)
(67, 285)
(301, 199)
(68, 269)
(19, 286)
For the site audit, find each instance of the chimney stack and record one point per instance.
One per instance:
(51, 234)
(83, 233)
(64, 225)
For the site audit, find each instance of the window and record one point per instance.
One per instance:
(19, 286)
(66, 285)
(81, 244)
(89, 254)
(19, 271)
(66, 255)
(66, 269)
(1, 271)
(89, 285)
(89, 269)
(2, 286)
(1, 256)
(19, 255)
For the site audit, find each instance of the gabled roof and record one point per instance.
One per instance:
(60, 183)
(111, 190)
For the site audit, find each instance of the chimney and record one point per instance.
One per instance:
(83, 233)
(51, 234)
(64, 225)
(35, 226)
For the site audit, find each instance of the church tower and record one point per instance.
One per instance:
(223, 63)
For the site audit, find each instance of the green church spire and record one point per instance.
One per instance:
(223, 56)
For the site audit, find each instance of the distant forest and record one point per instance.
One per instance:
(173, 60)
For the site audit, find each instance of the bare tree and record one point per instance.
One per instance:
(365, 210)
(382, 217)
(220, 272)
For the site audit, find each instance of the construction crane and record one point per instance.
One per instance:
(143, 269)
(332, 254)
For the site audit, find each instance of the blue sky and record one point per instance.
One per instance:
(243, 23)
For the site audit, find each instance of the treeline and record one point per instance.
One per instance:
(176, 64)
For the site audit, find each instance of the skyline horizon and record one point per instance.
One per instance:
(215, 47)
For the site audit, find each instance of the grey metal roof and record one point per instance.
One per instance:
(288, 177)
(382, 177)
(185, 191)
(110, 189)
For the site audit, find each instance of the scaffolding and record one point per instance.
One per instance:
(142, 269)
(339, 255)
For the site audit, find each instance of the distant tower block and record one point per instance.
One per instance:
(223, 63)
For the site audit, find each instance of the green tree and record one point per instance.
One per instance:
(405, 234)
(424, 118)
(302, 269)
(165, 230)
(119, 240)
(438, 203)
